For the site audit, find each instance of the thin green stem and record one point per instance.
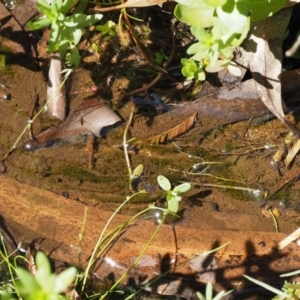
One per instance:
(100, 240)
(137, 259)
(27, 127)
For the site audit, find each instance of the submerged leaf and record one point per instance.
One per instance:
(138, 171)
(175, 131)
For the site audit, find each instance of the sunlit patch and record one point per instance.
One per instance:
(113, 264)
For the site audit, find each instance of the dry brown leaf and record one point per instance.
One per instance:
(286, 179)
(264, 47)
(292, 153)
(131, 3)
(175, 131)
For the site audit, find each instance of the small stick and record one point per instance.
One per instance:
(125, 147)
(31, 114)
(90, 148)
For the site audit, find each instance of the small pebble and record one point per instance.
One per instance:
(66, 194)
(2, 168)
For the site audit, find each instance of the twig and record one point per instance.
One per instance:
(125, 147)
(146, 56)
(294, 47)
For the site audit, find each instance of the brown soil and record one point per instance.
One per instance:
(238, 149)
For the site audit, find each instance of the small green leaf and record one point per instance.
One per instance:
(164, 182)
(82, 20)
(261, 9)
(138, 171)
(56, 4)
(45, 8)
(26, 285)
(42, 263)
(76, 35)
(64, 279)
(219, 296)
(39, 23)
(200, 15)
(173, 206)
(67, 5)
(235, 18)
(215, 3)
(74, 56)
(56, 31)
(191, 69)
(182, 188)
(169, 196)
(177, 198)
(209, 291)
(200, 296)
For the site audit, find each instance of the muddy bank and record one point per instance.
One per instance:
(30, 212)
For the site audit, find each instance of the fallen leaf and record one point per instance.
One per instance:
(265, 48)
(131, 3)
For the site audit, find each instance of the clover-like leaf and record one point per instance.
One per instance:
(199, 14)
(182, 188)
(164, 182)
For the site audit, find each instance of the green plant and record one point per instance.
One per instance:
(290, 290)
(45, 284)
(191, 69)
(66, 30)
(173, 196)
(219, 26)
(209, 293)
(159, 57)
(107, 29)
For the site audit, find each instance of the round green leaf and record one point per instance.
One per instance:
(201, 15)
(182, 188)
(164, 182)
(261, 9)
(234, 17)
(215, 2)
